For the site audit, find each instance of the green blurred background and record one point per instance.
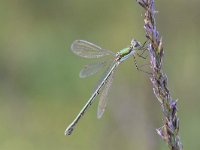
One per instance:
(41, 93)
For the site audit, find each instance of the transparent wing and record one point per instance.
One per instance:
(103, 98)
(88, 50)
(91, 69)
(106, 72)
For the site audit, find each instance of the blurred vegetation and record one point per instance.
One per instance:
(41, 93)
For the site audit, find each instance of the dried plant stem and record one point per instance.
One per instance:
(169, 132)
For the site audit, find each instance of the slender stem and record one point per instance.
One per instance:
(169, 132)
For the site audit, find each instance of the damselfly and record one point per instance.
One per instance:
(88, 50)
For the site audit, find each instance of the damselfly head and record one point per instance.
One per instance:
(135, 43)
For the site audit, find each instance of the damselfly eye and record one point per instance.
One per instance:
(135, 43)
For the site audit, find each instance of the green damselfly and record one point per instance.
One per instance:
(89, 50)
